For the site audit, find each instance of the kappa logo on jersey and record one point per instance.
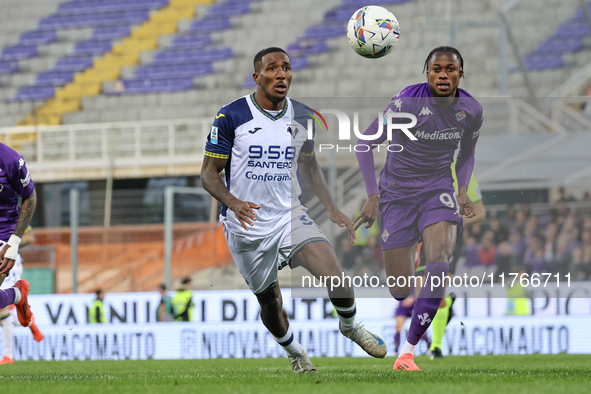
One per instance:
(398, 104)
(294, 132)
(424, 318)
(425, 111)
(25, 182)
(21, 163)
(460, 115)
(219, 116)
(255, 130)
(385, 235)
(214, 135)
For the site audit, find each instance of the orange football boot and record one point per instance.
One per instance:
(406, 362)
(37, 334)
(23, 311)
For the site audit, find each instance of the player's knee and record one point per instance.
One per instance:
(400, 294)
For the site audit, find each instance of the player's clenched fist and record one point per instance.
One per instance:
(6, 263)
(466, 205)
(244, 211)
(369, 212)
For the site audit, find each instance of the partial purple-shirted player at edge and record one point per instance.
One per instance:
(416, 197)
(15, 182)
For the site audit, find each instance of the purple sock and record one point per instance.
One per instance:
(428, 301)
(6, 297)
(396, 342)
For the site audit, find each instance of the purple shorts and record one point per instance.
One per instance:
(402, 310)
(405, 211)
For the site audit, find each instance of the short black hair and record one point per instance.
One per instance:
(186, 280)
(258, 58)
(99, 291)
(162, 286)
(444, 49)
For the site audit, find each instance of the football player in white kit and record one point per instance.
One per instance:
(260, 140)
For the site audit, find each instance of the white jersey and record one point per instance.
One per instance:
(262, 151)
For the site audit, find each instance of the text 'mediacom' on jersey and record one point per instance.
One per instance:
(389, 120)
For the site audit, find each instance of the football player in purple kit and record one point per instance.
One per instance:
(15, 182)
(416, 196)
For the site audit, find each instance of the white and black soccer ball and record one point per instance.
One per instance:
(373, 31)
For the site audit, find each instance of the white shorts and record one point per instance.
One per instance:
(259, 259)
(15, 273)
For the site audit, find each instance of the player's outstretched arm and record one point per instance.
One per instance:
(314, 178)
(10, 250)
(212, 183)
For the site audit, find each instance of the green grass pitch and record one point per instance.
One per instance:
(474, 374)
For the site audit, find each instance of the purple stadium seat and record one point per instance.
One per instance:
(540, 63)
(111, 33)
(172, 71)
(16, 52)
(93, 20)
(304, 48)
(8, 67)
(339, 14)
(73, 63)
(576, 30)
(202, 56)
(54, 78)
(297, 63)
(157, 85)
(210, 25)
(94, 7)
(248, 83)
(224, 11)
(558, 46)
(191, 41)
(92, 47)
(33, 93)
(37, 37)
(324, 31)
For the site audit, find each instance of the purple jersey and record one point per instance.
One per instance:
(439, 130)
(15, 181)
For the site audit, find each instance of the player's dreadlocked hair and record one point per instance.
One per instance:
(444, 49)
(258, 58)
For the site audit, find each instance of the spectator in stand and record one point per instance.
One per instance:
(510, 218)
(520, 220)
(517, 244)
(526, 209)
(550, 241)
(501, 233)
(488, 249)
(531, 227)
(561, 209)
(561, 258)
(586, 224)
(347, 255)
(583, 269)
(534, 256)
(563, 196)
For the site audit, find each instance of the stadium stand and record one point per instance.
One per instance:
(221, 40)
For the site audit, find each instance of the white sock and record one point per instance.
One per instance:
(17, 295)
(347, 316)
(8, 336)
(289, 343)
(407, 348)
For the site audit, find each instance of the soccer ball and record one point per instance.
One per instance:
(373, 31)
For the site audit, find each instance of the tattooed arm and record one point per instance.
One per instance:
(27, 209)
